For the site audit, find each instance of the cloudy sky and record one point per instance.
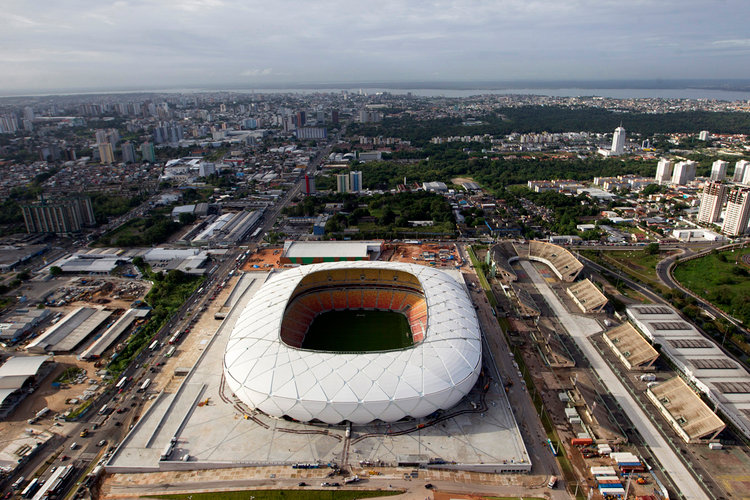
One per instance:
(72, 44)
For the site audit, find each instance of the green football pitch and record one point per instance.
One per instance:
(358, 331)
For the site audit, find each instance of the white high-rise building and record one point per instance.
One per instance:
(737, 213)
(711, 202)
(664, 171)
(719, 170)
(342, 183)
(618, 141)
(683, 172)
(739, 170)
(746, 176)
(704, 135)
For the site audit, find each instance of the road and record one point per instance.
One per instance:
(130, 401)
(532, 431)
(669, 460)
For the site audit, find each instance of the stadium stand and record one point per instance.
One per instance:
(502, 255)
(635, 352)
(561, 261)
(305, 306)
(686, 412)
(354, 296)
(587, 296)
(527, 304)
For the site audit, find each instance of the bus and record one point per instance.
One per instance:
(144, 385)
(170, 352)
(121, 383)
(30, 488)
(154, 345)
(103, 410)
(174, 339)
(17, 484)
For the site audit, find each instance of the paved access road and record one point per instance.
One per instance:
(580, 331)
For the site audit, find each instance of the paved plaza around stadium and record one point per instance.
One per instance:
(479, 433)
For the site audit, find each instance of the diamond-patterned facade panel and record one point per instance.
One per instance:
(279, 379)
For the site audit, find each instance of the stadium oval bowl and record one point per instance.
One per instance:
(436, 373)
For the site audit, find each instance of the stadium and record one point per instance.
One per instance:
(356, 342)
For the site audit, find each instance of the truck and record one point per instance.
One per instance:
(648, 377)
(552, 482)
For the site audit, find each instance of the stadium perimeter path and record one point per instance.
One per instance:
(580, 329)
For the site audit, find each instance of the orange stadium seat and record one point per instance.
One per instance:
(325, 300)
(398, 300)
(369, 299)
(355, 298)
(384, 299)
(339, 299)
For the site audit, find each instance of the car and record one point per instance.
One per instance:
(101, 443)
(302, 483)
(429, 486)
(118, 423)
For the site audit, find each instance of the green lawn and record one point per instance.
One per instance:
(358, 331)
(332, 494)
(635, 263)
(720, 278)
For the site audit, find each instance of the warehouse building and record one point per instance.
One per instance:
(314, 252)
(630, 347)
(688, 415)
(70, 331)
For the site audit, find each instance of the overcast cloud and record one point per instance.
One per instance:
(61, 44)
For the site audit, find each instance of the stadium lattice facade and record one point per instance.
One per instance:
(266, 367)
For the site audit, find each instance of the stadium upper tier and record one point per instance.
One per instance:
(264, 369)
(561, 261)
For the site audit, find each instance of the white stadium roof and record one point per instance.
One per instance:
(436, 373)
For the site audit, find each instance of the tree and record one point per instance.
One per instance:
(651, 249)
(55, 271)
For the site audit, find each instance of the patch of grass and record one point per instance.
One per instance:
(721, 278)
(637, 264)
(358, 331)
(81, 408)
(284, 495)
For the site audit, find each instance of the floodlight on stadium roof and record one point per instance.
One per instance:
(281, 380)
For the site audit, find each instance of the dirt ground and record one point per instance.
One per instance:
(413, 254)
(265, 258)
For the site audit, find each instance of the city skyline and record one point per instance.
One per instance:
(134, 44)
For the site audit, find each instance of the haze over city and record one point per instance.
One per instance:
(67, 46)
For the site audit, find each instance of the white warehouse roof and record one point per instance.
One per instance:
(278, 379)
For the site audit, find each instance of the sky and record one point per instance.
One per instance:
(158, 44)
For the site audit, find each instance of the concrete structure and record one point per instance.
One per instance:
(711, 202)
(438, 187)
(229, 228)
(587, 296)
(630, 347)
(560, 260)
(683, 172)
(313, 252)
(266, 371)
(502, 255)
(147, 152)
(187, 260)
(355, 181)
(719, 170)
(343, 183)
(739, 170)
(618, 141)
(581, 328)
(97, 348)
(688, 415)
(63, 216)
(737, 212)
(12, 256)
(14, 379)
(128, 152)
(484, 438)
(70, 331)
(697, 235)
(664, 171)
(20, 323)
(311, 133)
(725, 382)
(91, 264)
(106, 154)
(309, 187)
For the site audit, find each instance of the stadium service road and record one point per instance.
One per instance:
(580, 328)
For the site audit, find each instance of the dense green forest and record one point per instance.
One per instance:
(498, 173)
(557, 119)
